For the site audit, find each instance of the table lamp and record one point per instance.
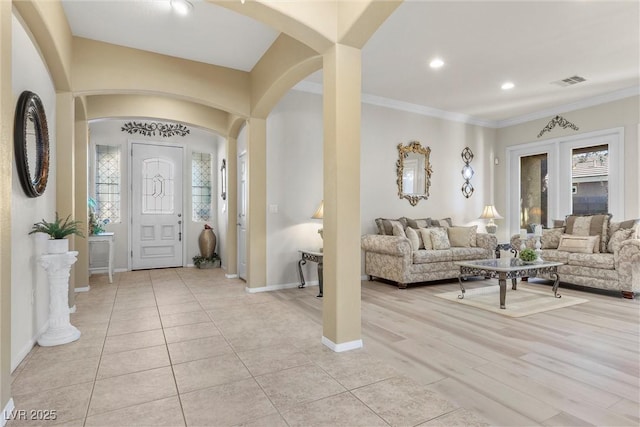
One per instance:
(489, 212)
(319, 214)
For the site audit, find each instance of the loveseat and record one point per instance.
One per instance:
(597, 252)
(399, 253)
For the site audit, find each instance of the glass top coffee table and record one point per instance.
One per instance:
(508, 268)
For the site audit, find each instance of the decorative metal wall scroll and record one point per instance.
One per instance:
(150, 129)
(467, 172)
(558, 121)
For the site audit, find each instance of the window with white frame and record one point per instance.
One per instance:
(201, 187)
(107, 183)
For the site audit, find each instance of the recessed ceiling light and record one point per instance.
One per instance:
(507, 85)
(182, 7)
(436, 63)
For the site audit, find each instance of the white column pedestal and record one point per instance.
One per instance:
(60, 330)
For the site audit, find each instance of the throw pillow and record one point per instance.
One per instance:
(425, 233)
(440, 238)
(413, 237)
(551, 238)
(397, 230)
(589, 225)
(618, 237)
(444, 222)
(385, 225)
(419, 223)
(578, 244)
(463, 237)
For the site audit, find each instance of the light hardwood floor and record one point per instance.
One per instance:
(575, 366)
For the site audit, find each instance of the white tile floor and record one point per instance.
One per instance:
(189, 347)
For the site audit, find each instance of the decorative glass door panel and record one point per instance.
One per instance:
(534, 194)
(158, 186)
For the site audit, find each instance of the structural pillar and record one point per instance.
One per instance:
(81, 153)
(341, 318)
(65, 170)
(257, 205)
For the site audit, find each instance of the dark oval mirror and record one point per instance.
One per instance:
(31, 144)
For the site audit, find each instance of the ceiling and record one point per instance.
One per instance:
(483, 44)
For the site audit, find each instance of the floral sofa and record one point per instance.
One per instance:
(597, 252)
(410, 251)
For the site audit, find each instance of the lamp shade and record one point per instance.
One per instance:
(319, 213)
(490, 212)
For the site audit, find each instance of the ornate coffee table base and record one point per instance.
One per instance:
(512, 273)
(314, 257)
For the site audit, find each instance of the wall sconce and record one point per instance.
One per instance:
(467, 172)
(223, 179)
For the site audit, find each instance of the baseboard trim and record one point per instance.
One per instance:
(345, 346)
(270, 288)
(231, 276)
(28, 346)
(7, 411)
(72, 309)
(83, 289)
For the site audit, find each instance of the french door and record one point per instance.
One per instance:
(156, 203)
(582, 174)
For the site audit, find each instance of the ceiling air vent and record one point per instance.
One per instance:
(569, 81)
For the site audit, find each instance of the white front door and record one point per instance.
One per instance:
(156, 206)
(242, 216)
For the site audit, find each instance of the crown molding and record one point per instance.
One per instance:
(565, 108)
(380, 101)
(316, 88)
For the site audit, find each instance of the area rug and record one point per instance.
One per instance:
(519, 303)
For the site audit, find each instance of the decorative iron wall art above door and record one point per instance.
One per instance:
(467, 172)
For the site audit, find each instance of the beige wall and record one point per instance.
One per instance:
(6, 163)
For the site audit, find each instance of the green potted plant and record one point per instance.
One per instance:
(207, 262)
(528, 256)
(58, 230)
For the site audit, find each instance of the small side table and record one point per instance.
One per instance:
(312, 256)
(108, 238)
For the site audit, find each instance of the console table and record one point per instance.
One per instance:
(103, 238)
(312, 256)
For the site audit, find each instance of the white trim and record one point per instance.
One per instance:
(28, 346)
(6, 412)
(270, 288)
(83, 289)
(345, 346)
(72, 309)
(316, 88)
(231, 276)
(364, 278)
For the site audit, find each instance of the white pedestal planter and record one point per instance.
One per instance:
(60, 330)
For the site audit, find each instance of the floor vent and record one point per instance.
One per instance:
(569, 81)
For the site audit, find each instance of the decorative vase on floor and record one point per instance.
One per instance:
(207, 242)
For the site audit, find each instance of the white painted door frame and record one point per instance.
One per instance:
(241, 220)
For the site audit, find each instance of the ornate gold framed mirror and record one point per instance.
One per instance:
(31, 144)
(414, 172)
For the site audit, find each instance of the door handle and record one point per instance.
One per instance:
(180, 236)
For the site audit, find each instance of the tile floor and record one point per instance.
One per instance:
(177, 347)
